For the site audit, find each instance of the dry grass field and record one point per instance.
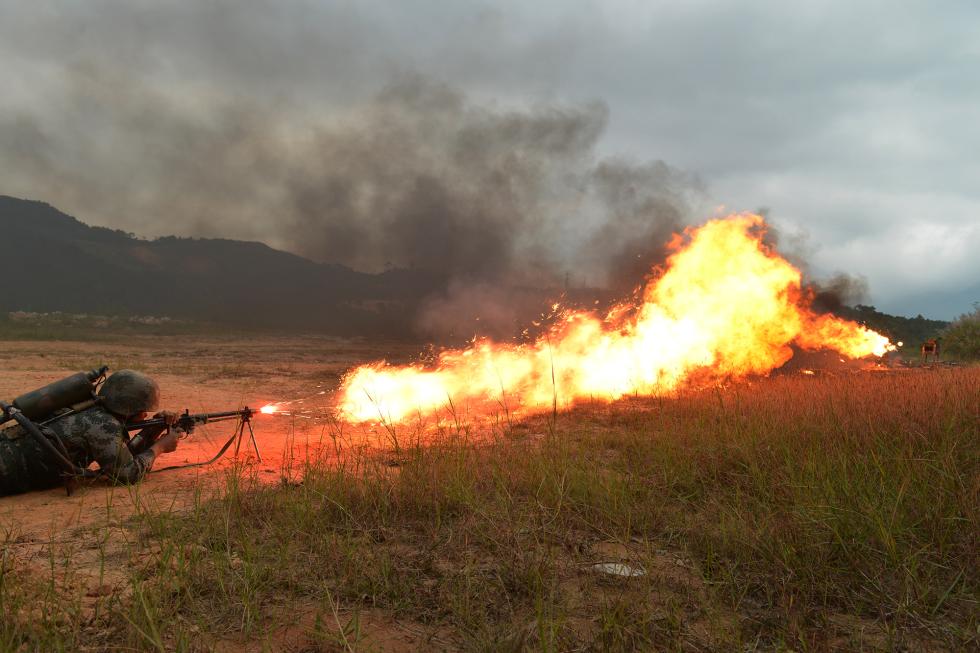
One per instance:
(806, 513)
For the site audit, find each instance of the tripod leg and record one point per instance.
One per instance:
(255, 445)
(239, 436)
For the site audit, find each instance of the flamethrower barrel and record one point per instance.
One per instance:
(200, 418)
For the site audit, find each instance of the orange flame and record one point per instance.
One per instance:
(725, 306)
(269, 409)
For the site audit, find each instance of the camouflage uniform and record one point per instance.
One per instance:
(92, 435)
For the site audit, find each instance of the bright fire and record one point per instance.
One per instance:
(269, 409)
(725, 306)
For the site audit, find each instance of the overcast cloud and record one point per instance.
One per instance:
(855, 124)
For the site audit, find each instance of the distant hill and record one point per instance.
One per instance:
(912, 331)
(53, 262)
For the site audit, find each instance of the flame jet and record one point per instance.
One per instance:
(724, 306)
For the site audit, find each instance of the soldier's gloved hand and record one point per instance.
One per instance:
(167, 442)
(168, 416)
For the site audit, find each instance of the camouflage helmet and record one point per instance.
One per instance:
(129, 393)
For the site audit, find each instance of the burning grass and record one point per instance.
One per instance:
(806, 513)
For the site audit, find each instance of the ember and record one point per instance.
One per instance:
(725, 306)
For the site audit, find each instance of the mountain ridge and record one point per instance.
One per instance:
(59, 263)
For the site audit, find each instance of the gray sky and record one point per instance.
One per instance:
(855, 123)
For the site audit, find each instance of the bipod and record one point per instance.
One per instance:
(246, 421)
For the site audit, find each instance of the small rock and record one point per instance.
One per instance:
(618, 569)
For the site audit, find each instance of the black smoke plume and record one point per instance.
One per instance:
(418, 177)
(840, 291)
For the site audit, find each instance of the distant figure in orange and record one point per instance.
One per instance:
(930, 348)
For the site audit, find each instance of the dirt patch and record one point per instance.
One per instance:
(322, 628)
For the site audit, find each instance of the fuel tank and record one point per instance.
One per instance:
(65, 393)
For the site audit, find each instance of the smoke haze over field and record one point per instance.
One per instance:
(511, 142)
(415, 176)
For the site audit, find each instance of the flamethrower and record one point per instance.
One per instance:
(187, 422)
(38, 408)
